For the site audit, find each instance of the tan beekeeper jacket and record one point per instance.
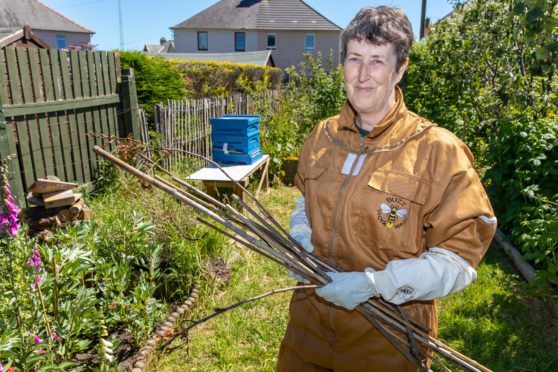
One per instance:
(408, 186)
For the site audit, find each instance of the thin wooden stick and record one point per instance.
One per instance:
(184, 330)
(273, 245)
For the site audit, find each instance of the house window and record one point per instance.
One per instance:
(202, 40)
(239, 41)
(272, 41)
(309, 42)
(60, 42)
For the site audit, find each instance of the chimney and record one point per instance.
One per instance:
(163, 40)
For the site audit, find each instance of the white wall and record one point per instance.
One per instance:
(218, 41)
(49, 37)
(290, 44)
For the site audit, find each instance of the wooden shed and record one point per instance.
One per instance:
(22, 38)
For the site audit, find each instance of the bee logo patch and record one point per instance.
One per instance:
(393, 213)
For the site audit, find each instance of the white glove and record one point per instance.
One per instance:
(434, 274)
(348, 289)
(300, 227)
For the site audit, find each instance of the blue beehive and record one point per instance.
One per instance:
(236, 139)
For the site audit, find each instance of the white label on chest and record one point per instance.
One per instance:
(350, 160)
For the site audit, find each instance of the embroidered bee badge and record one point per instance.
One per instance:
(393, 213)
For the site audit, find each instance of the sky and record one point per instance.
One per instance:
(146, 21)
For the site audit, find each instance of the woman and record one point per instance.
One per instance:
(389, 198)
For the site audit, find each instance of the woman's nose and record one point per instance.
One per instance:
(363, 73)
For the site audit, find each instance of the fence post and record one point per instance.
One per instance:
(129, 106)
(7, 150)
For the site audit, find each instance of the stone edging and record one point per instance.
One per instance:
(166, 328)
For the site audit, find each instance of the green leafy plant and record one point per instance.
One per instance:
(313, 92)
(488, 73)
(157, 80)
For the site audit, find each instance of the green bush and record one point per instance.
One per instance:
(522, 183)
(488, 73)
(157, 80)
(313, 92)
(220, 79)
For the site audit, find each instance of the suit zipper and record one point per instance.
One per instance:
(332, 250)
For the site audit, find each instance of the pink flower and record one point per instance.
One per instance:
(8, 209)
(55, 337)
(1, 368)
(37, 339)
(35, 260)
(38, 278)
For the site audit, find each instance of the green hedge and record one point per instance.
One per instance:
(157, 79)
(220, 79)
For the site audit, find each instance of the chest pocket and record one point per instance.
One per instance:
(317, 187)
(390, 213)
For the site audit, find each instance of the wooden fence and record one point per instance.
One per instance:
(50, 101)
(185, 124)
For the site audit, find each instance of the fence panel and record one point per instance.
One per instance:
(184, 125)
(50, 100)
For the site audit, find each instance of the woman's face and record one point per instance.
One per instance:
(371, 76)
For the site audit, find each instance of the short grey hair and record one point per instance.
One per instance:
(380, 25)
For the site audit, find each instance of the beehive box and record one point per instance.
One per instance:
(236, 139)
(235, 125)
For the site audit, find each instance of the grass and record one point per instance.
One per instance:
(494, 321)
(247, 338)
(497, 321)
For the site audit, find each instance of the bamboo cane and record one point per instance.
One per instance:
(272, 245)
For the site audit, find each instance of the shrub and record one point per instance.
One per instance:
(522, 183)
(157, 79)
(312, 93)
(488, 73)
(219, 79)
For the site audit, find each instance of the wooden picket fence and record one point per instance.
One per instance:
(185, 124)
(51, 101)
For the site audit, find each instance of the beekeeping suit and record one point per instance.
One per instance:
(403, 212)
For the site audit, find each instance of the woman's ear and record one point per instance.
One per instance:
(402, 69)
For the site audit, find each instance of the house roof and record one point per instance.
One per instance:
(14, 14)
(259, 15)
(260, 58)
(165, 47)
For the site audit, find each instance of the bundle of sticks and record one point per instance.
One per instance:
(257, 230)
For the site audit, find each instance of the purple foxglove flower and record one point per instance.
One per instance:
(55, 337)
(38, 278)
(8, 211)
(37, 339)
